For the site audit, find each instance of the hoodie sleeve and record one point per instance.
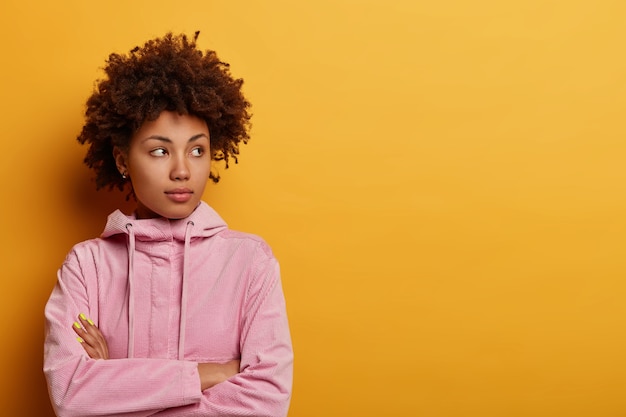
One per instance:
(81, 386)
(263, 387)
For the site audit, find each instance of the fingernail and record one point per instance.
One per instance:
(76, 325)
(90, 322)
(80, 339)
(82, 316)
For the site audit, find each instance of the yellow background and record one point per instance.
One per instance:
(443, 183)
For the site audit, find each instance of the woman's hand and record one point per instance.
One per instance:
(214, 373)
(91, 338)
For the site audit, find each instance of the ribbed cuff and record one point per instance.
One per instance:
(190, 382)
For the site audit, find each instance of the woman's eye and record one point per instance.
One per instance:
(197, 152)
(158, 152)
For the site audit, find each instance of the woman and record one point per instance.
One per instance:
(168, 313)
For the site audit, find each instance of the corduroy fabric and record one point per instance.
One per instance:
(234, 309)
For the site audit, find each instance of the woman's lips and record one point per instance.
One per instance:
(179, 195)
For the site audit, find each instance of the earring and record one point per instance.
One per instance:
(123, 175)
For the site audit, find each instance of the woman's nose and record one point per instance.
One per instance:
(180, 169)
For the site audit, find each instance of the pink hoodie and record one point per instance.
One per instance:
(168, 294)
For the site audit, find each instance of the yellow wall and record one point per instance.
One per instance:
(443, 182)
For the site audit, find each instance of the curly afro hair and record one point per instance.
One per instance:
(167, 73)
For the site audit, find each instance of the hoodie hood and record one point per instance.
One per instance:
(206, 223)
(203, 222)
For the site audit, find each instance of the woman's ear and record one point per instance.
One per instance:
(120, 160)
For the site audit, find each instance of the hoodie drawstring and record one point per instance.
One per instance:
(131, 298)
(183, 297)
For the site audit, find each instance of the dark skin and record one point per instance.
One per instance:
(95, 345)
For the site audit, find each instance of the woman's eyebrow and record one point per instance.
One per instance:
(168, 140)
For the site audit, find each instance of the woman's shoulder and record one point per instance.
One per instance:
(249, 240)
(98, 245)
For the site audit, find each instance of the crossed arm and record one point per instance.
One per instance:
(94, 343)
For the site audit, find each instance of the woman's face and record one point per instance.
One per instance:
(168, 163)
